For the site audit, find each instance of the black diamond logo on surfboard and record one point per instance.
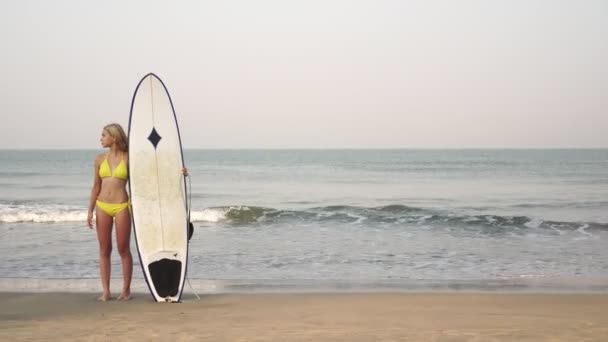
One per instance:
(154, 137)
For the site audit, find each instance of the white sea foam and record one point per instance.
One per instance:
(209, 215)
(41, 213)
(54, 213)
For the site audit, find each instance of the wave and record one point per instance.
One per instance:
(249, 214)
(389, 215)
(395, 214)
(41, 213)
(582, 204)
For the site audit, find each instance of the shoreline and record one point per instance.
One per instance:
(308, 317)
(595, 285)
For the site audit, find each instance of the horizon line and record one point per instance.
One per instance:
(320, 148)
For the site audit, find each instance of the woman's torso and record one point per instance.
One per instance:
(114, 175)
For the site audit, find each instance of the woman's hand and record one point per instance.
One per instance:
(185, 171)
(90, 219)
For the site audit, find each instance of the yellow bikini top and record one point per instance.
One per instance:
(119, 172)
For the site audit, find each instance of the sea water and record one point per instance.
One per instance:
(332, 219)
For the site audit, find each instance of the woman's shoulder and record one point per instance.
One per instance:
(99, 158)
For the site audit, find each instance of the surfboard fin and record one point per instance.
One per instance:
(190, 230)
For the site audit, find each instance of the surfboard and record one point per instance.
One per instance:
(157, 190)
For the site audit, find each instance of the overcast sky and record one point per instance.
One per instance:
(311, 74)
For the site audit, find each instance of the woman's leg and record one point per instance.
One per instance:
(123, 242)
(104, 235)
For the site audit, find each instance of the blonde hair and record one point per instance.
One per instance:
(120, 138)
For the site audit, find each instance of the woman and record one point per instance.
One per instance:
(110, 198)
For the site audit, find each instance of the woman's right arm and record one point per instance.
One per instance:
(94, 192)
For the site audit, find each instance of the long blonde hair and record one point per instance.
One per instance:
(116, 131)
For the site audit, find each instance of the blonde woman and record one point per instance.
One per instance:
(110, 200)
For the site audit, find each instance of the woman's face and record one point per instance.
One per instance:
(106, 139)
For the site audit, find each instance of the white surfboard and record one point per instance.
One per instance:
(157, 189)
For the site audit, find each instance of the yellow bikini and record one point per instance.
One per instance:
(121, 172)
(112, 209)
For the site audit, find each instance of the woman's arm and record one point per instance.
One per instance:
(94, 192)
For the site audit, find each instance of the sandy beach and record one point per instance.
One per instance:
(307, 317)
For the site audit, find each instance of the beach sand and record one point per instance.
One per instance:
(307, 317)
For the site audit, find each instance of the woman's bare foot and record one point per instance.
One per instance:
(125, 295)
(104, 297)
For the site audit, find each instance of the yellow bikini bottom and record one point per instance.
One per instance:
(112, 209)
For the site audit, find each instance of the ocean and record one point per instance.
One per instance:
(396, 219)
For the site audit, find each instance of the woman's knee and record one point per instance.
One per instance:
(105, 250)
(124, 250)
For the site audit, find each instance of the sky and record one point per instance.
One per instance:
(311, 74)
